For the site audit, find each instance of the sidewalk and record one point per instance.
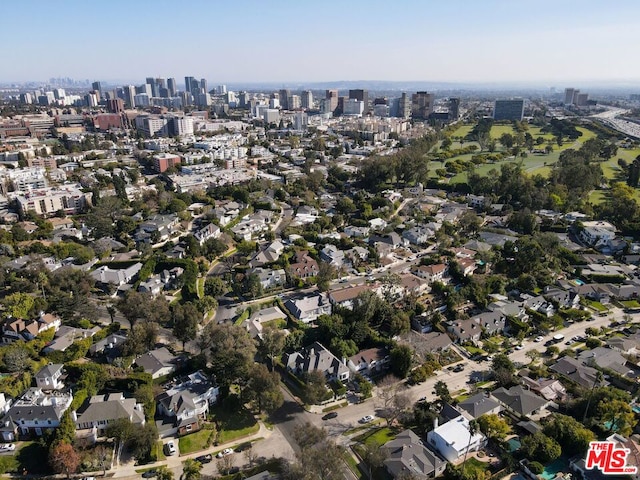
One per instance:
(129, 470)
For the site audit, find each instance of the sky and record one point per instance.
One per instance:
(293, 41)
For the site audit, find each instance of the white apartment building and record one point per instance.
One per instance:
(48, 201)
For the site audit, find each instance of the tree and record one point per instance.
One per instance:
(473, 429)
(225, 464)
(571, 434)
(326, 273)
(185, 322)
(143, 440)
(494, 426)
(145, 395)
(215, 287)
(18, 305)
(442, 392)
(111, 310)
(163, 473)
(617, 416)
(251, 455)
(373, 456)
(272, 343)
(142, 338)
(315, 389)
(191, 470)
(318, 459)
(265, 388)
(121, 430)
(136, 306)
(16, 359)
(392, 401)
(231, 353)
(401, 359)
(532, 355)
(103, 454)
(541, 447)
(503, 370)
(66, 431)
(64, 459)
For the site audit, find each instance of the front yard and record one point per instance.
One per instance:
(377, 436)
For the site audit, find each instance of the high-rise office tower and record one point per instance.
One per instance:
(97, 86)
(422, 105)
(129, 94)
(307, 99)
(243, 99)
(203, 85)
(161, 82)
(172, 87)
(508, 109)
(404, 106)
(190, 83)
(570, 95)
(284, 95)
(361, 95)
(332, 96)
(221, 90)
(152, 84)
(454, 109)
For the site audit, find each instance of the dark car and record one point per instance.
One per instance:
(204, 458)
(330, 415)
(233, 470)
(243, 446)
(149, 473)
(459, 368)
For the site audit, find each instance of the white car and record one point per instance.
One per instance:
(539, 339)
(170, 448)
(225, 452)
(519, 347)
(366, 419)
(7, 447)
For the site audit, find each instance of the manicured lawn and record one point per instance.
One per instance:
(596, 305)
(462, 131)
(377, 436)
(195, 442)
(498, 130)
(360, 428)
(473, 350)
(8, 463)
(234, 424)
(630, 304)
(475, 465)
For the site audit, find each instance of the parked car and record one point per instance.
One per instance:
(459, 368)
(150, 473)
(539, 339)
(170, 448)
(7, 447)
(366, 419)
(225, 452)
(204, 458)
(330, 415)
(519, 347)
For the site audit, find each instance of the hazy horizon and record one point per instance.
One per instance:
(498, 42)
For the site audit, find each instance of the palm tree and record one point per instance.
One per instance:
(473, 429)
(111, 310)
(191, 470)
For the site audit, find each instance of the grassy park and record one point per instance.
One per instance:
(534, 163)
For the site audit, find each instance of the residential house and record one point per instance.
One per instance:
(520, 401)
(19, 329)
(271, 253)
(431, 273)
(625, 345)
(304, 266)
(48, 377)
(110, 346)
(476, 201)
(548, 388)
(561, 297)
(392, 239)
(422, 323)
(497, 239)
(606, 359)
(255, 323)
(453, 439)
(468, 330)
(157, 228)
(345, 297)
(412, 284)
(253, 224)
(426, 344)
(356, 232)
(116, 277)
(407, 454)
(596, 233)
(577, 372)
(187, 402)
(418, 235)
(165, 280)
(100, 410)
(480, 404)
(377, 224)
(308, 309)
(317, 358)
(158, 362)
(369, 361)
(538, 304)
(270, 278)
(332, 255)
(467, 265)
(34, 413)
(206, 233)
(492, 323)
(66, 336)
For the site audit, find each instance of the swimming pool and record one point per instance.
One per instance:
(555, 467)
(514, 444)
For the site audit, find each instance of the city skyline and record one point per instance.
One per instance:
(293, 42)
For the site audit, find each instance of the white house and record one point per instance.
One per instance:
(308, 309)
(453, 439)
(48, 378)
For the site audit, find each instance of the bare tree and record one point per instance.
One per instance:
(251, 455)
(225, 464)
(392, 399)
